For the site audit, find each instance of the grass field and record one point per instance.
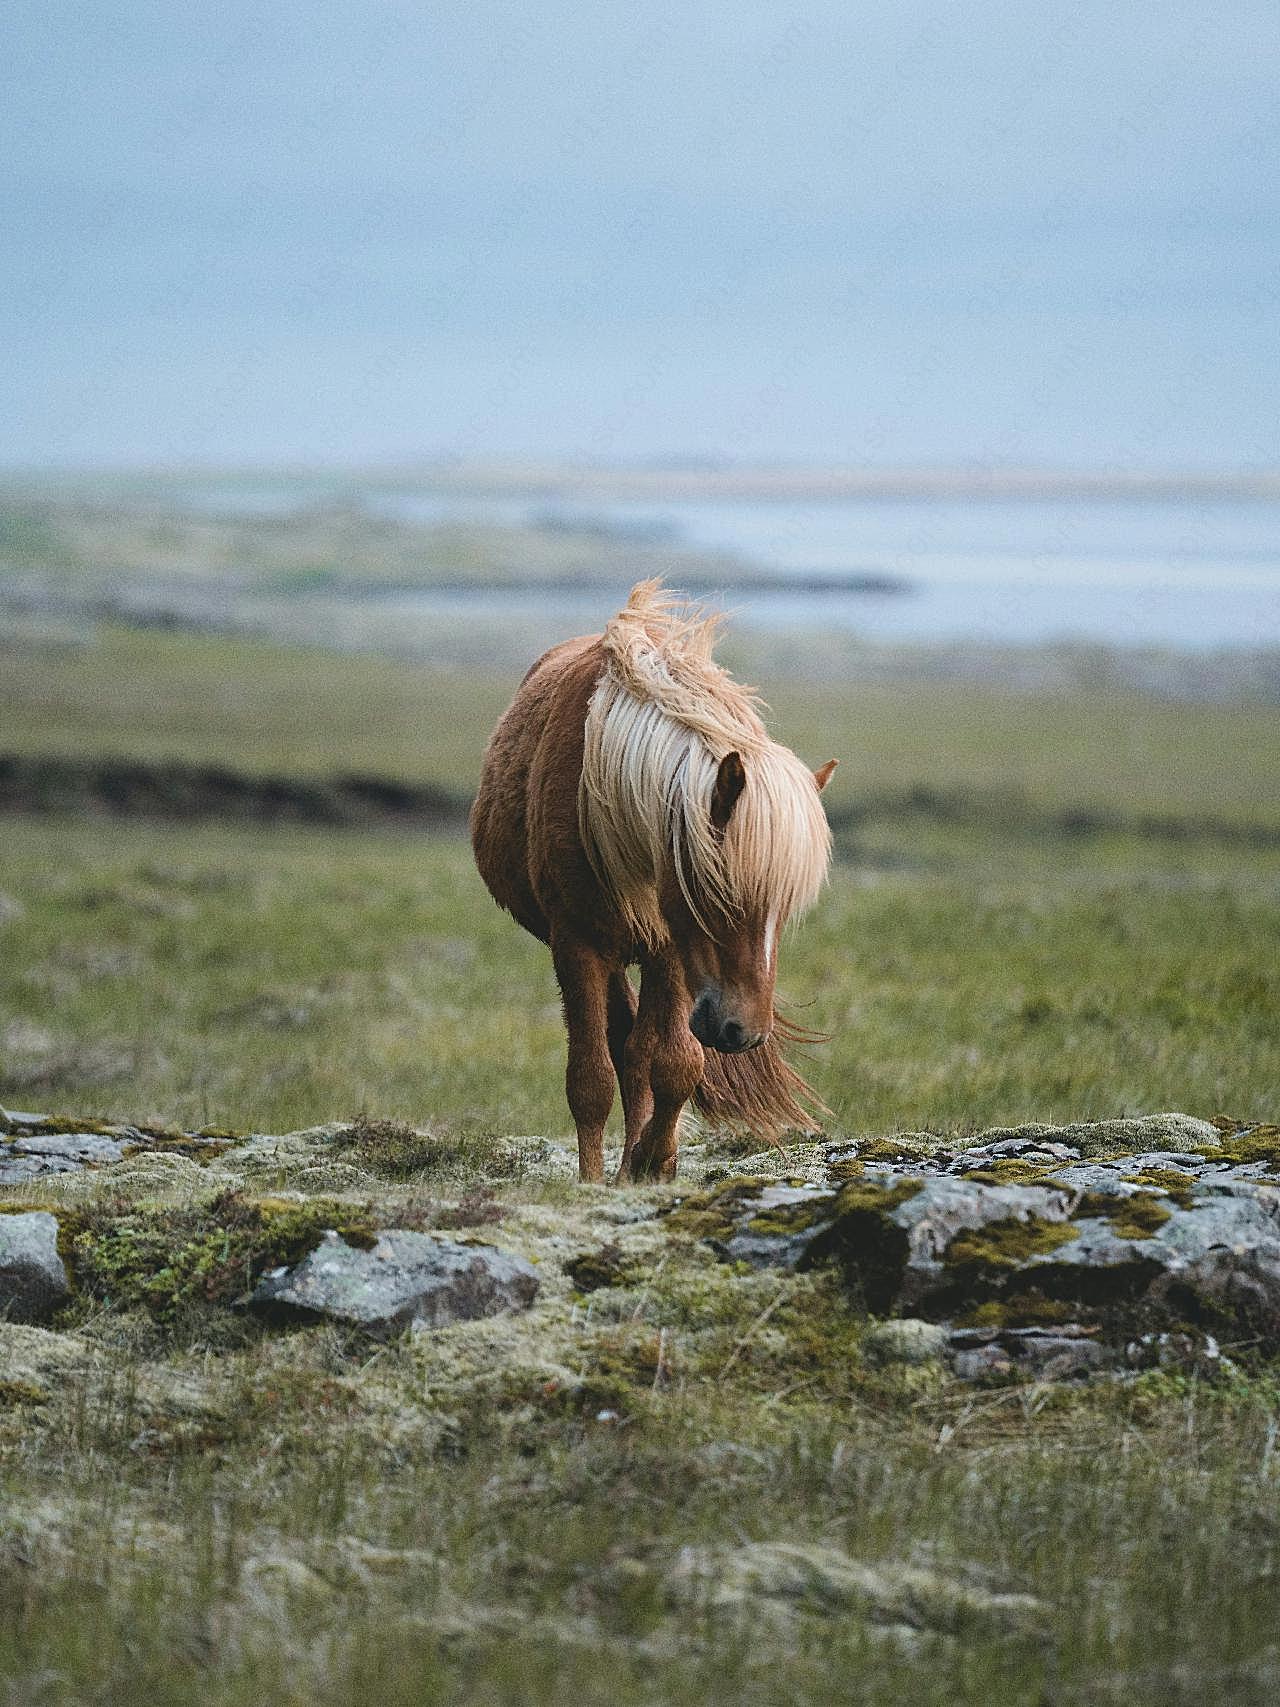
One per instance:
(272, 980)
(272, 708)
(195, 1506)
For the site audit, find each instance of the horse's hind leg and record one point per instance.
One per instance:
(663, 1067)
(584, 985)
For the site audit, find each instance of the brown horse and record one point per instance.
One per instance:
(633, 809)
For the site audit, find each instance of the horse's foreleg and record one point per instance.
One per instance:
(584, 984)
(630, 1063)
(664, 1065)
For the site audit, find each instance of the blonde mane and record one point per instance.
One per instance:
(662, 717)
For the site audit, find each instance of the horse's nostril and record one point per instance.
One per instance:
(733, 1035)
(702, 1021)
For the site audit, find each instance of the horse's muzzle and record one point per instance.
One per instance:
(716, 1030)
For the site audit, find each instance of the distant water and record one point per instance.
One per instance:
(1127, 573)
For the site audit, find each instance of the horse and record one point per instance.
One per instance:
(633, 810)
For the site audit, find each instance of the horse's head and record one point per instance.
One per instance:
(730, 960)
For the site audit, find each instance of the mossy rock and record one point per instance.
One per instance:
(1256, 1144)
(1177, 1185)
(1139, 1216)
(1007, 1244)
(167, 1261)
(865, 1241)
(1011, 1170)
(1029, 1309)
(715, 1214)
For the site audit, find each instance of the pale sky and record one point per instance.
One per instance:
(907, 233)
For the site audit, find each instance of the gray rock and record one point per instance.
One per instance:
(905, 1339)
(33, 1281)
(1040, 1152)
(19, 1120)
(70, 1147)
(32, 1157)
(796, 1217)
(1124, 1254)
(1048, 1354)
(944, 1207)
(18, 1170)
(405, 1279)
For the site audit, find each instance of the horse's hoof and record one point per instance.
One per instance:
(652, 1170)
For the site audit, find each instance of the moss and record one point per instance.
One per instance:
(1007, 1244)
(67, 1125)
(1139, 1216)
(389, 1148)
(714, 1214)
(168, 1261)
(204, 1144)
(1176, 1184)
(1011, 1170)
(868, 1245)
(850, 1168)
(783, 1219)
(592, 1271)
(1019, 1310)
(1258, 1144)
(197, 1147)
(860, 1195)
(896, 1150)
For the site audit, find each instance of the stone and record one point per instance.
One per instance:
(33, 1281)
(33, 1157)
(785, 1221)
(79, 1147)
(405, 1279)
(20, 1170)
(1047, 1354)
(905, 1339)
(1057, 1226)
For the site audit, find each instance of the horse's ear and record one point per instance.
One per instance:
(822, 776)
(731, 779)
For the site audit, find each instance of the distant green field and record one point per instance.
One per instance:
(273, 708)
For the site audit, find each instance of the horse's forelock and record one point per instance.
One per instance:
(662, 717)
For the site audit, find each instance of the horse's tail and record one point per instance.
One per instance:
(758, 1091)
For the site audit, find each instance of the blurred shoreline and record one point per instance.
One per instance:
(678, 480)
(1169, 599)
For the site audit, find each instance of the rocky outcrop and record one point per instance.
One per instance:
(1043, 1249)
(35, 1146)
(405, 1279)
(33, 1281)
(1031, 1249)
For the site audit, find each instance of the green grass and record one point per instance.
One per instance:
(188, 1501)
(531, 1550)
(271, 708)
(274, 980)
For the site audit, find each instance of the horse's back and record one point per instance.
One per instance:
(524, 823)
